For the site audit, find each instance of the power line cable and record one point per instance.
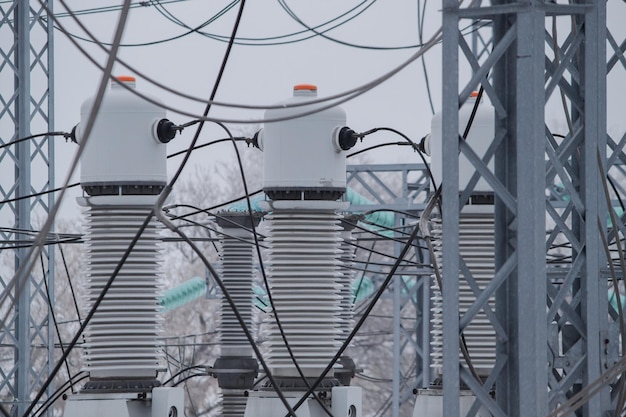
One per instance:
(167, 190)
(16, 141)
(28, 263)
(295, 17)
(264, 275)
(336, 99)
(358, 325)
(69, 281)
(59, 392)
(54, 316)
(55, 190)
(26, 267)
(165, 40)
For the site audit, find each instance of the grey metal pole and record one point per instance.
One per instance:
(22, 214)
(450, 208)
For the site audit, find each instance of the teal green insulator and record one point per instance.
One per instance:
(183, 294)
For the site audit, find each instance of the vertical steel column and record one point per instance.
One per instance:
(545, 352)
(525, 300)
(450, 209)
(26, 168)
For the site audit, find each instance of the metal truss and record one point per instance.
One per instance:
(26, 168)
(552, 323)
(404, 188)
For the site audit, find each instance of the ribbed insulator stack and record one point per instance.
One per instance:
(303, 273)
(476, 246)
(347, 255)
(122, 339)
(236, 368)
(237, 274)
(436, 302)
(233, 403)
(123, 169)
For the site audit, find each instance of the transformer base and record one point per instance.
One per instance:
(429, 403)
(160, 402)
(343, 402)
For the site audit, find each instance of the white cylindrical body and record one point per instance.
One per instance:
(237, 275)
(303, 259)
(122, 339)
(477, 247)
(121, 148)
(299, 154)
(480, 136)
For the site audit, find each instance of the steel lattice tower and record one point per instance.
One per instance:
(26, 107)
(546, 351)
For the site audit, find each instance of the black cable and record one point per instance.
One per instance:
(264, 275)
(160, 41)
(168, 189)
(210, 209)
(290, 12)
(257, 41)
(89, 125)
(44, 277)
(617, 194)
(421, 13)
(182, 371)
(380, 145)
(108, 9)
(189, 377)
(39, 135)
(59, 393)
(356, 328)
(69, 281)
(172, 155)
(413, 144)
(11, 200)
(340, 98)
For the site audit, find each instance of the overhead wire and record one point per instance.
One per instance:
(69, 281)
(26, 267)
(165, 40)
(157, 210)
(52, 311)
(66, 135)
(334, 100)
(55, 190)
(360, 322)
(266, 282)
(273, 40)
(60, 392)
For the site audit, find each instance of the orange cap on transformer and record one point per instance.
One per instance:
(300, 87)
(474, 94)
(126, 78)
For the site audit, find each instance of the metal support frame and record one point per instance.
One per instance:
(527, 70)
(26, 106)
(402, 187)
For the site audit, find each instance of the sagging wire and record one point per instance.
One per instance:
(27, 266)
(416, 147)
(620, 313)
(256, 41)
(335, 99)
(157, 210)
(66, 135)
(60, 392)
(24, 197)
(360, 322)
(69, 281)
(265, 280)
(44, 278)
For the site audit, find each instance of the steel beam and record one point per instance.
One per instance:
(26, 168)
